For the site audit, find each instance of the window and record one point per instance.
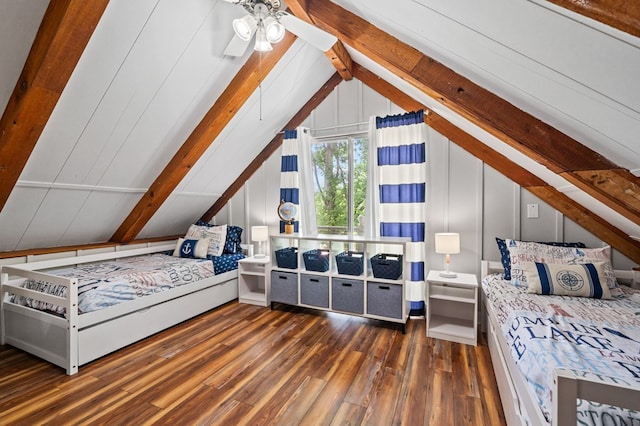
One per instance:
(340, 184)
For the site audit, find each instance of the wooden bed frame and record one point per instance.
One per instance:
(519, 404)
(78, 339)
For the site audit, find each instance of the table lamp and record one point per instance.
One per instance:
(259, 234)
(447, 243)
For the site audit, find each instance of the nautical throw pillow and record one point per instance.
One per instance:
(191, 248)
(526, 252)
(216, 235)
(583, 280)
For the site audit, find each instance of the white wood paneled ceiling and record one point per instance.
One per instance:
(153, 68)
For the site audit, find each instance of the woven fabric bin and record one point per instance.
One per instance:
(387, 266)
(287, 257)
(316, 260)
(350, 262)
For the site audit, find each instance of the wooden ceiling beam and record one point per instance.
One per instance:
(338, 54)
(529, 135)
(567, 206)
(245, 82)
(272, 146)
(621, 14)
(65, 30)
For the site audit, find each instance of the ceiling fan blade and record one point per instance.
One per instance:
(236, 46)
(233, 1)
(309, 33)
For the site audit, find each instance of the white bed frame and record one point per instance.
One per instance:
(519, 404)
(78, 339)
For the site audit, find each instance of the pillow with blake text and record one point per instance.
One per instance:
(581, 280)
(195, 249)
(504, 244)
(215, 234)
(233, 241)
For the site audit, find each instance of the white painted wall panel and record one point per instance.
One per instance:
(19, 23)
(17, 215)
(97, 218)
(176, 214)
(501, 207)
(78, 105)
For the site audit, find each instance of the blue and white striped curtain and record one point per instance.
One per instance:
(397, 196)
(296, 179)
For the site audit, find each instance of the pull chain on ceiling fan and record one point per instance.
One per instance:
(267, 22)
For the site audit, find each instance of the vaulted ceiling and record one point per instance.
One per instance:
(128, 114)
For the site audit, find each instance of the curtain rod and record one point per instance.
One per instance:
(339, 126)
(341, 135)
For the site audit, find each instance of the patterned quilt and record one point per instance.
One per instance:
(588, 336)
(108, 283)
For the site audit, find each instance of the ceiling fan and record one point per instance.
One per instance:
(267, 21)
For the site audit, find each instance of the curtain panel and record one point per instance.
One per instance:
(397, 197)
(296, 179)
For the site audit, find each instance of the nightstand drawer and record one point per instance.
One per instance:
(284, 287)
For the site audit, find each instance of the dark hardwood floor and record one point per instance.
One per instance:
(243, 364)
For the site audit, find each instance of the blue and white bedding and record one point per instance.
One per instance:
(105, 284)
(588, 336)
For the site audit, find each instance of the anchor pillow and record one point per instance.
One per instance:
(195, 249)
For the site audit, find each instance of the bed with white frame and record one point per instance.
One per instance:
(519, 402)
(73, 340)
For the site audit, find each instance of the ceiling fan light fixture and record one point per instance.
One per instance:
(262, 44)
(274, 30)
(244, 27)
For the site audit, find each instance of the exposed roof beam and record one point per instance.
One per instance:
(536, 139)
(272, 146)
(338, 55)
(245, 82)
(621, 14)
(567, 206)
(65, 30)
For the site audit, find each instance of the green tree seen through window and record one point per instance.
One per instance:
(340, 184)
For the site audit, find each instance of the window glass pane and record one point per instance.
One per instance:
(331, 181)
(360, 155)
(340, 182)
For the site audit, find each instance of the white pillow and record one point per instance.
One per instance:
(582, 280)
(192, 248)
(217, 236)
(535, 252)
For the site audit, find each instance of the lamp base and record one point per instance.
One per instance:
(288, 228)
(447, 274)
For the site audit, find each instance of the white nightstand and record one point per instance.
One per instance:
(452, 307)
(252, 280)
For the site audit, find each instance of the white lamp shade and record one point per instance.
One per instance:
(447, 243)
(259, 233)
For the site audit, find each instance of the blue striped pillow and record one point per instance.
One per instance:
(580, 280)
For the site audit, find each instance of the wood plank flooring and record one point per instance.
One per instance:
(248, 365)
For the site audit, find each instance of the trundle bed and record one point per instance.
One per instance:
(55, 327)
(563, 360)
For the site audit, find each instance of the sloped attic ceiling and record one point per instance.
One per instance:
(153, 68)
